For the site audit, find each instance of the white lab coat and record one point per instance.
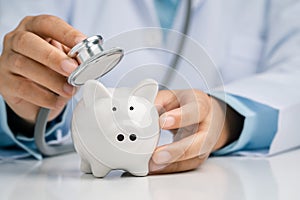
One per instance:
(255, 44)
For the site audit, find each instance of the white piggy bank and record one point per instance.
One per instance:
(116, 128)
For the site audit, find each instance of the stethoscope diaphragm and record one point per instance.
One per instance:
(94, 61)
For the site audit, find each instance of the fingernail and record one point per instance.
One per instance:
(167, 121)
(69, 89)
(69, 65)
(162, 157)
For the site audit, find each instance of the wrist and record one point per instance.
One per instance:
(232, 128)
(17, 124)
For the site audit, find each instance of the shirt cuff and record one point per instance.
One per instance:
(56, 129)
(260, 124)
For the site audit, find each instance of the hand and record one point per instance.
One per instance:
(200, 125)
(34, 66)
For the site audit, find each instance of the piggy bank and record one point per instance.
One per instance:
(116, 128)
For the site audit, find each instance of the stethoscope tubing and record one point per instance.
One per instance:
(40, 139)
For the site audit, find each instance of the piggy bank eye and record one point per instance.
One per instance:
(131, 108)
(132, 137)
(120, 137)
(114, 108)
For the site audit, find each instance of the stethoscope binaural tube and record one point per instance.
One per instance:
(174, 62)
(94, 62)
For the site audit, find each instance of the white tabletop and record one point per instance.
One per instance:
(219, 178)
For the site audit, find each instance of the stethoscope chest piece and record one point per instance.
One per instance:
(94, 61)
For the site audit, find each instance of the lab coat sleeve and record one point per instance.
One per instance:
(277, 85)
(13, 146)
(260, 126)
(11, 13)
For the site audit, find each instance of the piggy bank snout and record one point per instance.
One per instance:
(130, 136)
(127, 128)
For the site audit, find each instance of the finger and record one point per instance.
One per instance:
(189, 147)
(180, 166)
(184, 149)
(34, 47)
(40, 74)
(188, 114)
(24, 89)
(60, 46)
(166, 100)
(180, 133)
(53, 27)
(182, 107)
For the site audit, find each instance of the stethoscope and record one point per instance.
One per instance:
(94, 62)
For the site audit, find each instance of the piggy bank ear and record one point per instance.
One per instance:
(147, 88)
(93, 90)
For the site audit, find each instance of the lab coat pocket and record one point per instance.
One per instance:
(244, 55)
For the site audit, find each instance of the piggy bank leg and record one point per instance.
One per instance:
(144, 173)
(143, 170)
(99, 170)
(85, 166)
